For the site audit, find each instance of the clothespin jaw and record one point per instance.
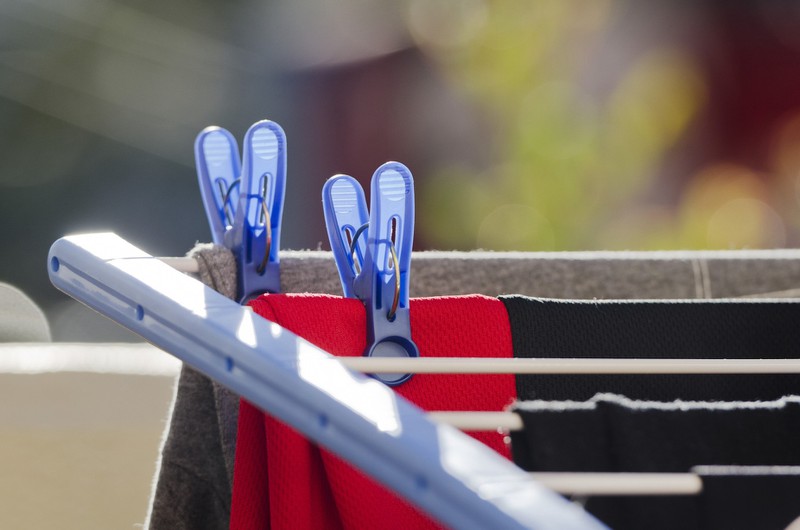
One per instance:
(217, 160)
(383, 281)
(255, 235)
(346, 216)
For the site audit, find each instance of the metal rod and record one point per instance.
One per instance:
(480, 365)
(185, 265)
(621, 483)
(479, 421)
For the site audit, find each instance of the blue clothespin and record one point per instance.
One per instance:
(385, 258)
(217, 160)
(346, 218)
(245, 207)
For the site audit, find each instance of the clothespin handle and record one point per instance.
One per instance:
(383, 281)
(346, 215)
(217, 162)
(255, 235)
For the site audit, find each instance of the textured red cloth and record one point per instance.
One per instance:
(282, 481)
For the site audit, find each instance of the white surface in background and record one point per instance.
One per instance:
(106, 358)
(78, 450)
(20, 318)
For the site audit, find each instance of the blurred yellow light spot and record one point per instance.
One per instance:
(721, 183)
(726, 207)
(746, 223)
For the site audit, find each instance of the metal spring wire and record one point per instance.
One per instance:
(264, 218)
(395, 262)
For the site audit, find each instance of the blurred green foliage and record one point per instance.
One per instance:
(570, 165)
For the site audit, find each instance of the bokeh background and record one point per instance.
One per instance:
(548, 125)
(528, 125)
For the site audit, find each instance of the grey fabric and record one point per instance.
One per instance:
(217, 268)
(195, 469)
(193, 489)
(195, 477)
(576, 275)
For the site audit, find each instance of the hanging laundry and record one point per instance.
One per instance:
(612, 433)
(749, 497)
(663, 329)
(283, 481)
(179, 499)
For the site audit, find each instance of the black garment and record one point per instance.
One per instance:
(733, 498)
(612, 433)
(761, 498)
(733, 329)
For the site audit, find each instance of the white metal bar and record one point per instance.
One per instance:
(479, 421)
(479, 365)
(621, 483)
(185, 265)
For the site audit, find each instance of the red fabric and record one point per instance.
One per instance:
(282, 481)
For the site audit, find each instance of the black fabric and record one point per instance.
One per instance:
(766, 499)
(730, 500)
(686, 329)
(611, 433)
(681, 512)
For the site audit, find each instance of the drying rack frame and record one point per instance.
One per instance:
(444, 472)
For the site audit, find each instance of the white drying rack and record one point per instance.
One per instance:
(447, 474)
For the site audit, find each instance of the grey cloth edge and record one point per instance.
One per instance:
(176, 500)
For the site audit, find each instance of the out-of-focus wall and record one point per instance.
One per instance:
(78, 448)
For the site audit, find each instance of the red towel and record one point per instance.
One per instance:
(282, 481)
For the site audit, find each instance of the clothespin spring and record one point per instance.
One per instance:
(395, 264)
(226, 197)
(396, 300)
(265, 219)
